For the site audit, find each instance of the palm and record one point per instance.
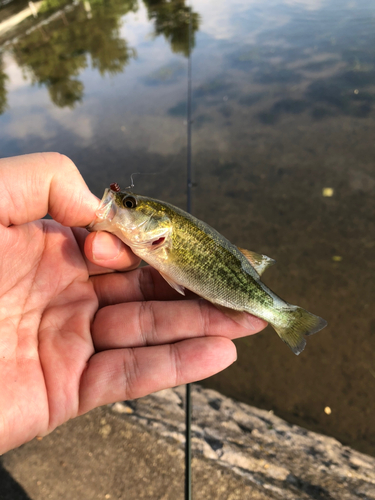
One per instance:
(72, 335)
(48, 338)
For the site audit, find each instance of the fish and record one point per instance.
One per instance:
(192, 255)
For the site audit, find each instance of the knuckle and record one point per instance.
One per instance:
(131, 374)
(205, 315)
(176, 364)
(59, 161)
(147, 323)
(146, 283)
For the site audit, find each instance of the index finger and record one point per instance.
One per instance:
(141, 284)
(139, 324)
(36, 184)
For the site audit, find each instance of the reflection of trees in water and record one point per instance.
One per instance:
(54, 55)
(3, 90)
(172, 19)
(10, 8)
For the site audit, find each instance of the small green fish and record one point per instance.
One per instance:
(190, 254)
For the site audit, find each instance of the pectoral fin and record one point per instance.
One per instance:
(259, 262)
(179, 288)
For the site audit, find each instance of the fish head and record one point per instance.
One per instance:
(140, 222)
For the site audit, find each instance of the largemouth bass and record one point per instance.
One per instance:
(190, 254)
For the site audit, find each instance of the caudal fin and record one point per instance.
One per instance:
(298, 323)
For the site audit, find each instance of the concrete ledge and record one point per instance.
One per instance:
(135, 450)
(283, 460)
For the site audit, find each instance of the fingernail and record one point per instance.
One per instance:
(253, 322)
(105, 246)
(234, 355)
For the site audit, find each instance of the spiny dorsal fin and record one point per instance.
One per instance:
(259, 262)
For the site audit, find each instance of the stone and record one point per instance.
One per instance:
(121, 408)
(105, 430)
(284, 460)
(168, 395)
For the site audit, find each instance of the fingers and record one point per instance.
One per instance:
(142, 284)
(105, 250)
(123, 374)
(33, 185)
(137, 324)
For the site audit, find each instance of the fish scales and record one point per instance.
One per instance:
(191, 254)
(221, 267)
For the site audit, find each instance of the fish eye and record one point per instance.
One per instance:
(129, 202)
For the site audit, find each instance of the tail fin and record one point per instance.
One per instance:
(299, 323)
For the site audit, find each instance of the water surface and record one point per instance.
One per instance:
(283, 157)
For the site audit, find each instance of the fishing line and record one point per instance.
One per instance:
(188, 409)
(159, 172)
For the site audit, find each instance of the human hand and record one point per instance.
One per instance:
(71, 337)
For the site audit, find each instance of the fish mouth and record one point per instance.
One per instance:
(106, 210)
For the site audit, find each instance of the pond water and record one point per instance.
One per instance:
(283, 155)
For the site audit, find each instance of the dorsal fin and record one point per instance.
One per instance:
(259, 262)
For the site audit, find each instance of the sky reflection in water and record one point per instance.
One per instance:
(283, 109)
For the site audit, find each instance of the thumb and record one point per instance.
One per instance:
(36, 184)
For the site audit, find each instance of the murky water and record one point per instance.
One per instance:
(283, 157)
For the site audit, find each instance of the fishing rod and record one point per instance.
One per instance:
(188, 408)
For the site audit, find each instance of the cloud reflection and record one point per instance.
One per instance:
(57, 48)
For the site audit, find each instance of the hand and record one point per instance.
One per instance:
(71, 337)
